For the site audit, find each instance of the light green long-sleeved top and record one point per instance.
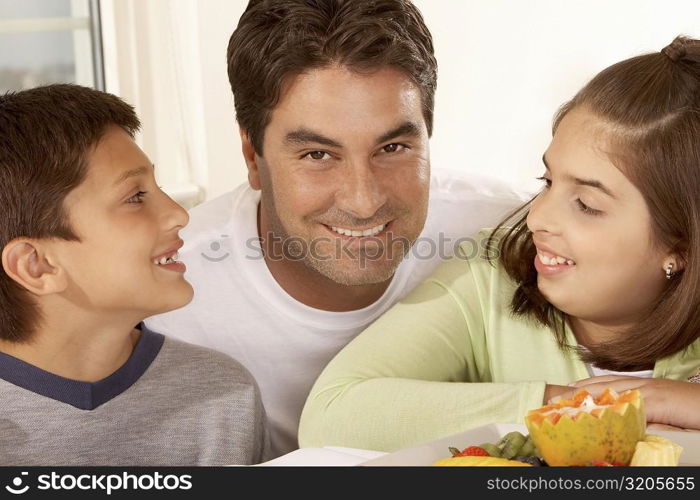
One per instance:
(449, 357)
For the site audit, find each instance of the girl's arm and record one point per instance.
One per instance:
(414, 375)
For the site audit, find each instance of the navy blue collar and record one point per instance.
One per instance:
(84, 395)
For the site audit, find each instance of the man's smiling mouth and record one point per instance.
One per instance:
(359, 232)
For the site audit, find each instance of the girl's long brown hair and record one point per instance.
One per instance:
(651, 104)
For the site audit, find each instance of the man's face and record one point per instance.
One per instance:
(345, 172)
(125, 224)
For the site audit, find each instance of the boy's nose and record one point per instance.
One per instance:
(176, 217)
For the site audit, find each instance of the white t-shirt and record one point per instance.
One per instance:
(240, 309)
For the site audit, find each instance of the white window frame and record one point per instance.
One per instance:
(84, 23)
(150, 50)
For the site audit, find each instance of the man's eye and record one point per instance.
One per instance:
(137, 198)
(318, 155)
(393, 147)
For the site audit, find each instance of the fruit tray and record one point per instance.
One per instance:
(428, 453)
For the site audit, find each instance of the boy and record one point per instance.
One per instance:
(89, 249)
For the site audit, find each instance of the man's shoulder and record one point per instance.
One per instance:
(458, 186)
(220, 213)
(462, 203)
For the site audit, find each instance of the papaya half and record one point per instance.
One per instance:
(585, 429)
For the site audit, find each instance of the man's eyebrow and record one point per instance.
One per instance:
(134, 172)
(304, 136)
(585, 182)
(406, 128)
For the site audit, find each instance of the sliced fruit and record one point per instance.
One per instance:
(585, 429)
(479, 462)
(655, 450)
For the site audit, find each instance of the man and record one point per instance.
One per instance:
(334, 99)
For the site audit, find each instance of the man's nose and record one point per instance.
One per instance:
(361, 194)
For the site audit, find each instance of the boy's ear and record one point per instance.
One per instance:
(250, 160)
(25, 261)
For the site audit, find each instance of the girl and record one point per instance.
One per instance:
(594, 283)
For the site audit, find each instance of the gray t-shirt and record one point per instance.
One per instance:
(171, 403)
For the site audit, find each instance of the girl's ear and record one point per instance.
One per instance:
(251, 159)
(27, 262)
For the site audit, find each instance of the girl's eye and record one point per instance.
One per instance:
(586, 209)
(137, 198)
(318, 155)
(547, 182)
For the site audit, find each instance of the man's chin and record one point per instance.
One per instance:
(354, 273)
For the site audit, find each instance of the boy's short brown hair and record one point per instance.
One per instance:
(46, 135)
(279, 39)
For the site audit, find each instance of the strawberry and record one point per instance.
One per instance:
(474, 451)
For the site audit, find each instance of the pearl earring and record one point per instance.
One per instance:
(669, 271)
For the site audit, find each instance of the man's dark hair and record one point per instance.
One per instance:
(279, 39)
(46, 135)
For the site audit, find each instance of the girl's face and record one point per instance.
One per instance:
(595, 224)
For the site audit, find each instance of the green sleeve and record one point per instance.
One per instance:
(418, 373)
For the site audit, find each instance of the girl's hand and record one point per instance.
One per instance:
(669, 402)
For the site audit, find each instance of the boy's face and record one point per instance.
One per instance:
(125, 223)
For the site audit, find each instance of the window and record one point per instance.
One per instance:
(44, 42)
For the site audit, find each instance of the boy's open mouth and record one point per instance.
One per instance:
(169, 258)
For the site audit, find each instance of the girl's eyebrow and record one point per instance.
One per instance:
(584, 182)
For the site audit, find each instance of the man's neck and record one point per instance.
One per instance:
(78, 350)
(312, 288)
(315, 290)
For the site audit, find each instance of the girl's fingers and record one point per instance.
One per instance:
(597, 385)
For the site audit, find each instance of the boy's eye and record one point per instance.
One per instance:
(137, 198)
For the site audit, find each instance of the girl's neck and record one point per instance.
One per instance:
(589, 333)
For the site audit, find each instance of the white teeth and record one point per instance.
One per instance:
(166, 260)
(367, 232)
(554, 261)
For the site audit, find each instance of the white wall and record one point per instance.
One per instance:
(504, 68)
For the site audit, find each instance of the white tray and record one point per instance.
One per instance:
(428, 453)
